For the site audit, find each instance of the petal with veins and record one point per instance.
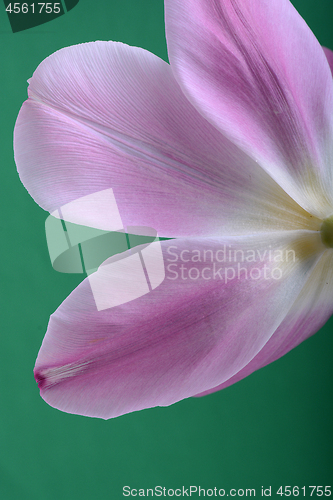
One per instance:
(256, 71)
(185, 337)
(105, 115)
(309, 313)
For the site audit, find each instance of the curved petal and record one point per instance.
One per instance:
(309, 313)
(329, 57)
(194, 331)
(105, 115)
(255, 70)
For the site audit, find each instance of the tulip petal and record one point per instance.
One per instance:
(255, 70)
(309, 313)
(189, 334)
(105, 115)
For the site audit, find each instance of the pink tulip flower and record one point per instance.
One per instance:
(227, 148)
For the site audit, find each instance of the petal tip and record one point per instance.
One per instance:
(40, 379)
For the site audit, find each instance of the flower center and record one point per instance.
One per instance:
(327, 232)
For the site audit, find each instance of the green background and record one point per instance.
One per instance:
(273, 428)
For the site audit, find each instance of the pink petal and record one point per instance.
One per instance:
(105, 115)
(329, 57)
(309, 313)
(184, 337)
(255, 70)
